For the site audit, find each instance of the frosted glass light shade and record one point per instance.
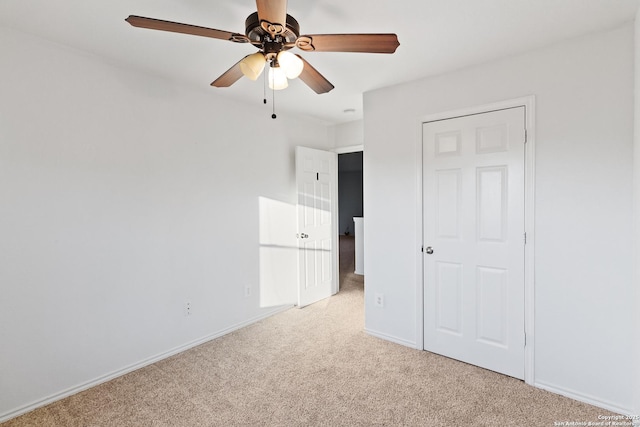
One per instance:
(277, 78)
(291, 64)
(252, 65)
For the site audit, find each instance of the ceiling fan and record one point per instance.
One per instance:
(274, 33)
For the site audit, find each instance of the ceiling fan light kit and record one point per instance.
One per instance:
(253, 65)
(274, 33)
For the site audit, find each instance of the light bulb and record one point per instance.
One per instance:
(277, 78)
(291, 63)
(252, 65)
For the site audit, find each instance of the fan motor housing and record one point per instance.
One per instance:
(258, 35)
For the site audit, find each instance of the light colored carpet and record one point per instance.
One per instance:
(311, 367)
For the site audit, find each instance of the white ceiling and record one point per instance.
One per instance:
(435, 36)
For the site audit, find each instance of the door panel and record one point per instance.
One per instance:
(449, 297)
(492, 305)
(473, 219)
(448, 203)
(492, 201)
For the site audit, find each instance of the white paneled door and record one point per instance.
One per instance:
(473, 224)
(316, 181)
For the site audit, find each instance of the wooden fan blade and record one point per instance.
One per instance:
(314, 79)
(230, 76)
(176, 27)
(365, 43)
(272, 15)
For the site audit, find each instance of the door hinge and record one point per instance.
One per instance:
(525, 238)
(317, 176)
(526, 136)
(525, 339)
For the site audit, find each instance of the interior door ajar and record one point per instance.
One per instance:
(316, 177)
(473, 225)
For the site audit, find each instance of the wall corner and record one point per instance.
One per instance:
(636, 211)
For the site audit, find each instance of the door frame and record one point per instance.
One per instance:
(528, 102)
(335, 238)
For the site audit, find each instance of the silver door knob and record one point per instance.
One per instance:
(429, 250)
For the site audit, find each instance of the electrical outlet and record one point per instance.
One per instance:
(378, 300)
(187, 308)
(247, 291)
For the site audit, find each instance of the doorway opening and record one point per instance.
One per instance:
(350, 217)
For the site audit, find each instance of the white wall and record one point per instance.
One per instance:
(122, 196)
(348, 134)
(583, 214)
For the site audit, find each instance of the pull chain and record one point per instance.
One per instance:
(264, 89)
(273, 94)
(273, 103)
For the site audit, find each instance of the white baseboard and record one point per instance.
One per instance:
(585, 398)
(393, 339)
(118, 373)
